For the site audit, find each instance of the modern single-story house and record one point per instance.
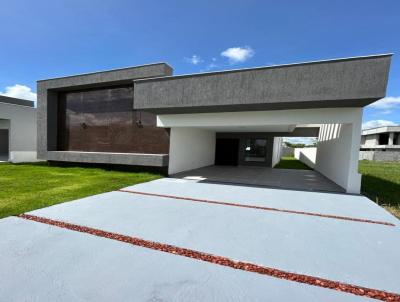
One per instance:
(381, 144)
(145, 116)
(17, 130)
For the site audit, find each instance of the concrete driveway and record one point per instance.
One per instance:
(180, 240)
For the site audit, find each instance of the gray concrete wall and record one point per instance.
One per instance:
(47, 111)
(380, 155)
(134, 159)
(287, 151)
(353, 82)
(370, 140)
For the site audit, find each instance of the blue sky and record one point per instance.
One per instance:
(44, 39)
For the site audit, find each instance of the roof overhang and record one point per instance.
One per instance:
(15, 101)
(350, 82)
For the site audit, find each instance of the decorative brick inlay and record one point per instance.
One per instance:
(246, 266)
(260, 207)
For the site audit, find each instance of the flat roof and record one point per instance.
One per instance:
(220, 71)
(381, 129)
(15, 101)
(266, 67)
(343, 82)
(105, 71)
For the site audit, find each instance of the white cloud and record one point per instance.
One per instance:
(377, 123)
(195, 60)
(238, 54)
(387, 104)
(300, 140)
(20, 92)
(211, 66)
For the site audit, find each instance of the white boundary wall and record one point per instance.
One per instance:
(21, 121)
(338, 151)
(276, 151)
(306, 155)
(337, 157)
(190, 148)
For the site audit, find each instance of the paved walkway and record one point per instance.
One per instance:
(178, 240)
(308, 180)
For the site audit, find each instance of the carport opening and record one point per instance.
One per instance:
(243, 149)
(283, 156)
(4, 144)
(266, 150)
(298, 153)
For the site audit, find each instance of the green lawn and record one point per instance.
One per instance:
(25, 187)
(381, 183)
(291, 163)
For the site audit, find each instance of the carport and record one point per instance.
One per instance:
(249, 158)
(267, 103)
(193, 145)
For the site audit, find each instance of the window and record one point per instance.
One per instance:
(384, 139)
(255, 150)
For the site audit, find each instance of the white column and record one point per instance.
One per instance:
(354, 179)
(190, 148)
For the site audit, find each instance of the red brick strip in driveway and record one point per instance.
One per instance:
(260, 207)
(246, 266)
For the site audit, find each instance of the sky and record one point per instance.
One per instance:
(46, 39)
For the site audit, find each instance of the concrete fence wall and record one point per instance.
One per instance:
(306, 155)
(276, 151)
(380, 155)
(287, 151)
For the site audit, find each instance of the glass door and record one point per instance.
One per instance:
(255, 150)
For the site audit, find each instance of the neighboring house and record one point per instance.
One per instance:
(381, 144)
(144, 116)
(17, 130)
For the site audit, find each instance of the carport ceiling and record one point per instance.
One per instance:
(265, 128)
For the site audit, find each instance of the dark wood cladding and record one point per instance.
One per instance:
(103, 120)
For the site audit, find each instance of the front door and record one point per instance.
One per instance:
(227, 151)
